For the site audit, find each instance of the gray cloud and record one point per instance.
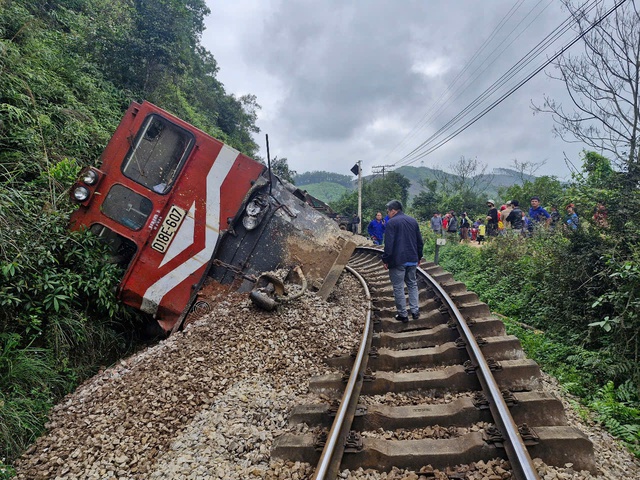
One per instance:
(344, 81)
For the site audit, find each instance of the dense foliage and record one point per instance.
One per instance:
(308, 178)
(375, 195)
(68, 70)
(578, 287)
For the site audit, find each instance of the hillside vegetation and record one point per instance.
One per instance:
(327, 185)
(314, 177)
(68, 70)
(326, 191)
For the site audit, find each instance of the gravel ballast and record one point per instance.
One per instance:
(207, 403)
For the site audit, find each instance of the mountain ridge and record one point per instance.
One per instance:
(329, 191)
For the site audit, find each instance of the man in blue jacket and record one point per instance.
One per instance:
(537, 213)
(403, 246)
(376, 229)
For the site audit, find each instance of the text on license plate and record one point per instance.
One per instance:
(168, 229)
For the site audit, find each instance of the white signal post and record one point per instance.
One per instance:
(360, 196)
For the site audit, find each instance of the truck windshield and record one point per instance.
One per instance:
(157, 154)
(127, 207)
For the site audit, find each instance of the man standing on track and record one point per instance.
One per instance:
(403, 246)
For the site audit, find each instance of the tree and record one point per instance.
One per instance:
(425, 204)
(463, 176)
(603, 84)
(526, 170)
(375, 195)
(598, 169)
(464, 189)
(280, 166)
(549, 189)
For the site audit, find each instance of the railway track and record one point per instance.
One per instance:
(453, 372)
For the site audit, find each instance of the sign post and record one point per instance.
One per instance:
(439, 241)
(357, 170)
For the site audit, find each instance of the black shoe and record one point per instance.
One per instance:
(402, 319)
(415, 315)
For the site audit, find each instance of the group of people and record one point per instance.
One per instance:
(509, 218)
(403, 243)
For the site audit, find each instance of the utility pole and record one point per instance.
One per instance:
(381, 169)
(360, 195)
(357, 170)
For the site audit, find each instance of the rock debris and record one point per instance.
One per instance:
(208, 403)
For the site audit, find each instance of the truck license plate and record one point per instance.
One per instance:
(168, 229)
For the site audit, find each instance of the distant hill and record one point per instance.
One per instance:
(329, 186)
(309, 178)
(499, 177)
(505, 177)
(325, 191)
(415, 175)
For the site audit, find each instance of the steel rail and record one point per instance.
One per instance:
(517, 452)
(331, 457)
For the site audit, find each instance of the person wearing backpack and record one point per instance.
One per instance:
(515, 218)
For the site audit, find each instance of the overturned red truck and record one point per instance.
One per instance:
(180, 209)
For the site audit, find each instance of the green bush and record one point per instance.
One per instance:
(59, 318)
(27, 391)
(68, 71)
(558, 283)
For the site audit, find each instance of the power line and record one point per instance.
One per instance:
(437, 106)
(504, 79)
(408, 161)
(377, 169)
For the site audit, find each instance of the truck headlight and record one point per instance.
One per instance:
(254, 207)
(250, 222)
(90, 177)
(81, 194)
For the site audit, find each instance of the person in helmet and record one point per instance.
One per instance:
(492, 218)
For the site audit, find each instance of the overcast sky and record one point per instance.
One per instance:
(341, 81)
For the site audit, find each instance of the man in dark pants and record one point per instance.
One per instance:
(402, 251)
(492, 219)
(355, 222)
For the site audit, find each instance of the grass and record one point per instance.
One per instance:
(584, 373)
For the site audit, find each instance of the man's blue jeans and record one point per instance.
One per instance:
(399, 276)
